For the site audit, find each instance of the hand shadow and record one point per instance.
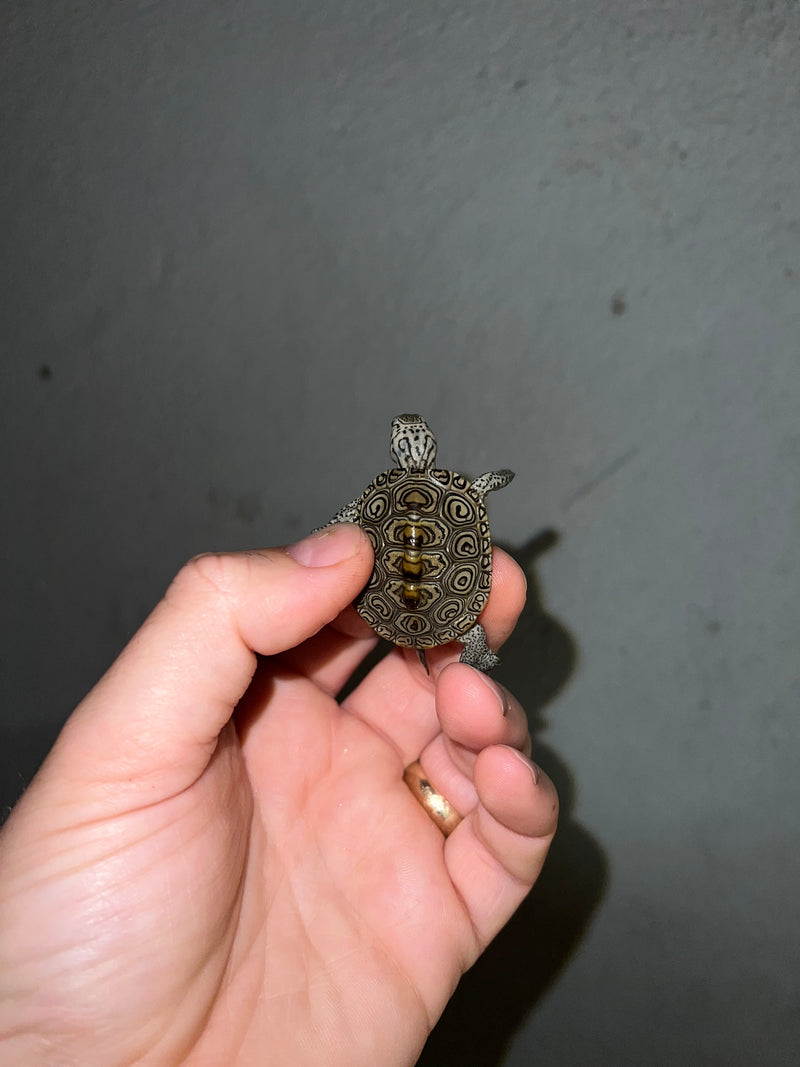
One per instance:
(494, 998)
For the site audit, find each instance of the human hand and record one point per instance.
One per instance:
(219, 864)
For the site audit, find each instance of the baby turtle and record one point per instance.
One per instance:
(433, 549)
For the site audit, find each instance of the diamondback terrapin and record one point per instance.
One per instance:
(433, 549)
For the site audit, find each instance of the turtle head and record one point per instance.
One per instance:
(413, 445)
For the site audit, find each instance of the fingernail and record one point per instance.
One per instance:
(327, 546)
(536, 772)
(500, 694)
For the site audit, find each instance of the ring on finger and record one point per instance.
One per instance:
(438, 808)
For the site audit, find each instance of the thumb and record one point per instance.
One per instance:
(164, 701)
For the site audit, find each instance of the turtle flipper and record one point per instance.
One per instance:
(476, 651)
(487, 483)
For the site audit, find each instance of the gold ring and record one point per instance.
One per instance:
(440, 810)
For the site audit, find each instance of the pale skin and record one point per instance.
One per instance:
(219, 864)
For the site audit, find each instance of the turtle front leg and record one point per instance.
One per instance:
(476, 651)
(349, 513)
(487, 483)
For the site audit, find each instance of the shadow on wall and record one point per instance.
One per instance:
(495, 997)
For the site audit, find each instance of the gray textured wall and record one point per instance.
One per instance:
(568, 232)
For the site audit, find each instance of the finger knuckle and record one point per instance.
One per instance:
(211, 573)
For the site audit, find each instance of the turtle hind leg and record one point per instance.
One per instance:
(349, 513)
(487, 483)
(476, 651)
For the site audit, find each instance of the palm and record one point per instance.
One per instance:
(341, 887)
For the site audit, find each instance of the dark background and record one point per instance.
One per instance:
(238, 238)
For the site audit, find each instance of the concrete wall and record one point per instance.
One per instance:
(238, 238)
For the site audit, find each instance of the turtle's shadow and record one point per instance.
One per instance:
(494, 998)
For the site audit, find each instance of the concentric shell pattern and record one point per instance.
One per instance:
(455, 557)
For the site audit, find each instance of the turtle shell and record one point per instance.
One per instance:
(433, 556)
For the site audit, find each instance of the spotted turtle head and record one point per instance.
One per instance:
(413, 445)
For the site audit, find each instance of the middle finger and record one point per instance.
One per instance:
(396, 697)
